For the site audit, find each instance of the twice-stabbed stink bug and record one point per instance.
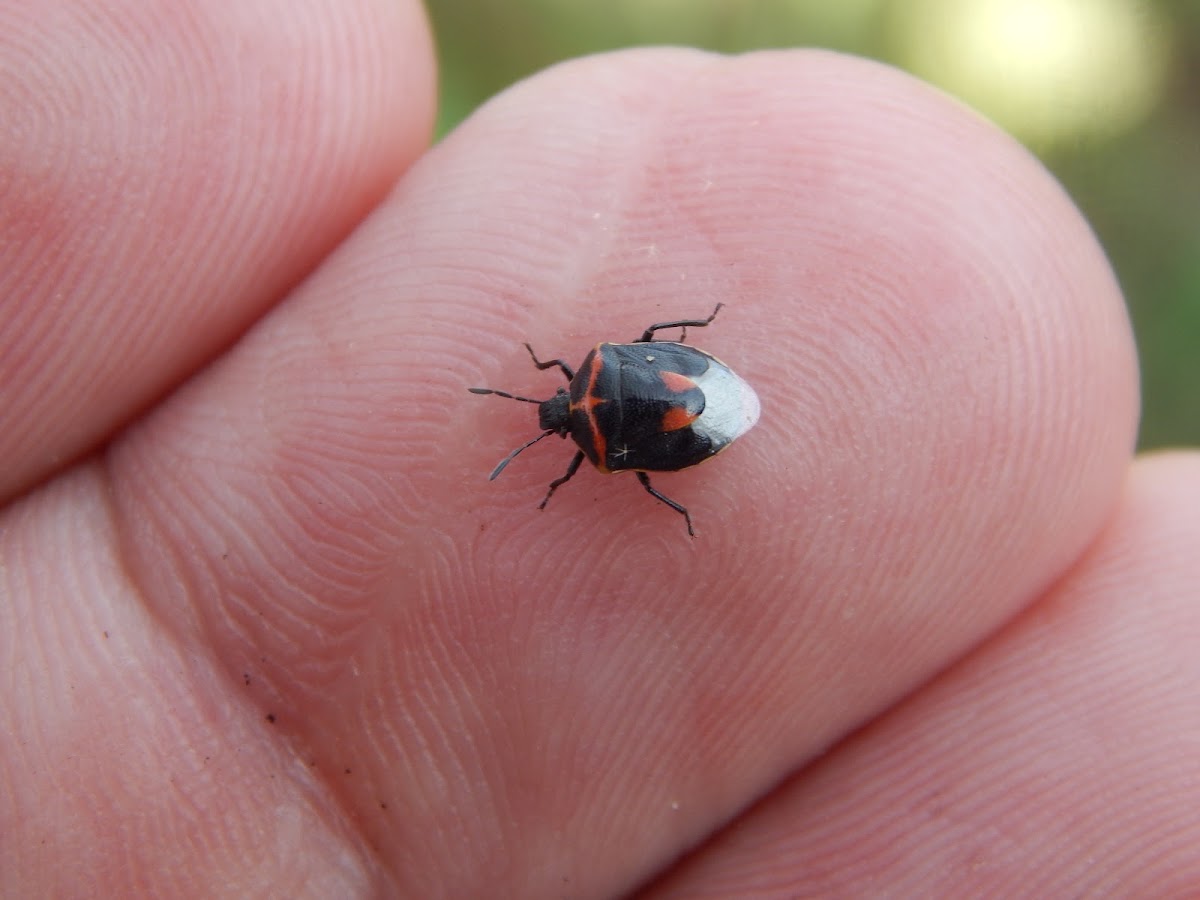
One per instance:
(647, 406)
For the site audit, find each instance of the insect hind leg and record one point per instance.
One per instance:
(678, 507)
(648, 334)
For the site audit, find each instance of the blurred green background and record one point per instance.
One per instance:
(1106, 92)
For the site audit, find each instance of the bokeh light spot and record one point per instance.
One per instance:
(1050, 71)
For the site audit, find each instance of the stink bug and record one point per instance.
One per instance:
(646, 406)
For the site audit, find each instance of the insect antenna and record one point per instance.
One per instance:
(504, 462)
(503, 394)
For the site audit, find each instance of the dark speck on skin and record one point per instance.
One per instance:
(271, 718)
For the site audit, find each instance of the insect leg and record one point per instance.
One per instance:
(648, 334)
(567, 370)
(678, 507)
(557, 482)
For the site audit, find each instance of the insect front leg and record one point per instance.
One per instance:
(558, 482)
(678, 507)
(567, 370)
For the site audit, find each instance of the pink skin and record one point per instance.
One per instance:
(280, 635)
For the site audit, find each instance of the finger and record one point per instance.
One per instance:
(174, 168)
(128, 766)
(949, 402)
(1058, 760)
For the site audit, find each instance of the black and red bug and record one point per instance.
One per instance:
(646, 406)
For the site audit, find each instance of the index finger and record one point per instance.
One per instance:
(948, 394)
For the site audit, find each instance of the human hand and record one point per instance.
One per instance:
(274, 633)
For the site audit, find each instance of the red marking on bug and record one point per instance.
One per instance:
(588, 403)
(676, 383)
(677, 417)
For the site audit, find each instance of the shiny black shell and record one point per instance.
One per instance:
(632, 407)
